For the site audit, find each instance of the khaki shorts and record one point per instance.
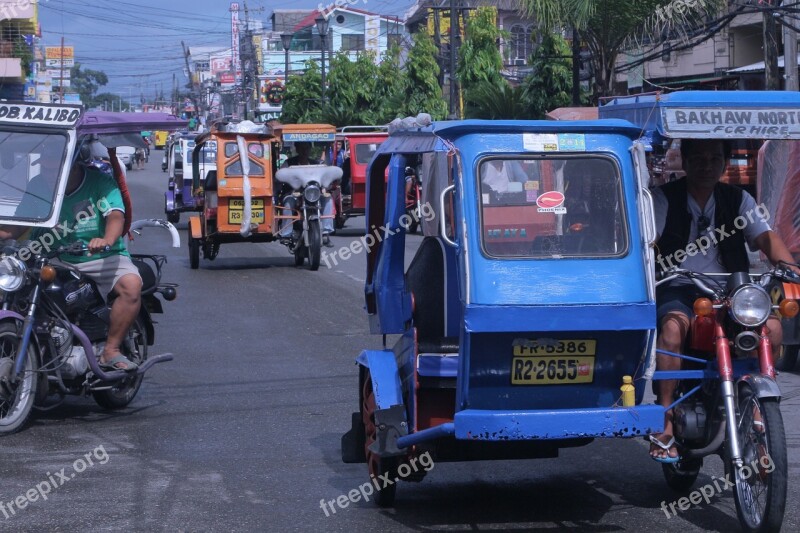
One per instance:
(107, 271)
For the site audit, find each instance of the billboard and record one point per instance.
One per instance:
(57, 53)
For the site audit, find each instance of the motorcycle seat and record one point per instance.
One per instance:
(149, 279)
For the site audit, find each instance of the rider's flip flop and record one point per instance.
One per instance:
(664, 446)
(111, 364)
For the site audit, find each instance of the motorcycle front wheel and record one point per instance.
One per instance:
(314, 244)
(123, 392)
(760, 484)
(16, 398)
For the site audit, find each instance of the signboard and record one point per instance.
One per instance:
(56, 63)
(731, 123)
(227, 78)
(41, 115)
(270, 93)
(372, 34)
(219, 64)
(57, 52)
(61, 83)
(235, 37)
(57, 73)
(308, 137)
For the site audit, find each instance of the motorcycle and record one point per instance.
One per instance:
(309, 184)
(53, 326)
(727, 402)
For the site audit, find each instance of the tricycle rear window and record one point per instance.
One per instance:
(551, 208)
(30, 168)
(365, 151)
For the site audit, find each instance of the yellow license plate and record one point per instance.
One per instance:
(525, 347)
(546, 370)
(235, 216)
(238, 203)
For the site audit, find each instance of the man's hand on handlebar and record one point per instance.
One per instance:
(99, 245)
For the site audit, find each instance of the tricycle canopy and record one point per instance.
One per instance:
(38, 143)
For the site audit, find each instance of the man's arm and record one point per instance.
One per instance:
(773, 247)
(12, 232)
(115, 221)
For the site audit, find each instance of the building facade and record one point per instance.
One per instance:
(18, 32)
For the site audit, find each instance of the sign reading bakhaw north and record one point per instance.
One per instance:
(40, 115)
(736, 123)
(309, 137)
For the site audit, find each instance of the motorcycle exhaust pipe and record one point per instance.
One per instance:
(712, 446)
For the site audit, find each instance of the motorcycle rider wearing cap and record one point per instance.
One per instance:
(93, 213)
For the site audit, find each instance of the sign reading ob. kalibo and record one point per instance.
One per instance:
(40, 115)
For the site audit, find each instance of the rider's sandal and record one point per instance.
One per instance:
(117, 359)
(666, 446)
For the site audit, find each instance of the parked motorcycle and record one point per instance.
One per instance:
(309, 183)
(728, 402)
(53, 326)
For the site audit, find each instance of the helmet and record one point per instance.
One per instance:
(92, 153)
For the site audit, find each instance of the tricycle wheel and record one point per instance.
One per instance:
(378, 466)
(173, 216)
(194, 253)
(789, 359)
(314, 244)
(123, 392)
(760, 484)
(16, 398)
(681, 476)
(299, 255)
(339, 221)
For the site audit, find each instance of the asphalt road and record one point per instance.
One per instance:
(241, 431)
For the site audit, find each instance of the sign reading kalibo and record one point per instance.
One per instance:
(308, 137)
(40, 114)
(734, 123)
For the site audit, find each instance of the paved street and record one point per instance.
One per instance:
(241, 431)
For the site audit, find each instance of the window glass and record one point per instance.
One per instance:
(365, 151)
(551, 208)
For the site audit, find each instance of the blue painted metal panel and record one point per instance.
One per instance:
(608, 317)
(438, 365)
(385, 377)
(559, 424)
(393, 301)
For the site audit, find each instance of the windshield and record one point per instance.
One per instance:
(30, 167)
(551, 208)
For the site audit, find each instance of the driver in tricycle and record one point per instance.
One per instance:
(699, 223)
(303, 157)
(90, 190)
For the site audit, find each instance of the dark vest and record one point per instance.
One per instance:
(728, 199)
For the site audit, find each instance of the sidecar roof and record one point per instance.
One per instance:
(710, 114)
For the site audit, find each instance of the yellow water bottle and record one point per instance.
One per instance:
(628, 392)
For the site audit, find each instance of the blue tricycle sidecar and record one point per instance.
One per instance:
(528, 305)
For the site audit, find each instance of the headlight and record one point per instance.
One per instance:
(750, 305)
(312, 194)
(12, 274)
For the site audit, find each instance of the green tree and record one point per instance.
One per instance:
(496, 101)
(302, 100)
(550, 84)
(390, 88)
(86, 83)
(421, 84)
(610, 26)
(479, 59)
(352, 92)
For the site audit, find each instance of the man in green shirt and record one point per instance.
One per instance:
(93, 213)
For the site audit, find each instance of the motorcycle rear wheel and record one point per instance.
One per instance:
(378, 466)
(16, 399)
(123, 392)
(681, 476)
(760, 495)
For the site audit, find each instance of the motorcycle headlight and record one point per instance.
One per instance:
(12, 274)
(312, 194)
(750, 305)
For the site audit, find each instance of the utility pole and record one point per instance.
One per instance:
(61, 81)
(192, 93)
(453, 59)
(576, 68)
(772, 79)
(790, 58)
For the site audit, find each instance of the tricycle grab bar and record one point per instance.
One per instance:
(442, 218)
